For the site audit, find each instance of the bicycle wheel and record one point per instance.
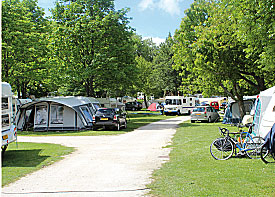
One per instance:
(253, 147)
(221, 149)
(266, 156)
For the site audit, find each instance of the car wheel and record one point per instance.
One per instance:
(94, 128)
(209, 119)
(118, 126)
(192, 121)
(133, 109)
(125, 125)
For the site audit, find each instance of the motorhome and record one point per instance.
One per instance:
(8, 116)
(179, 105)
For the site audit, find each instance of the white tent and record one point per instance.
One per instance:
(265, 112)
(57, 114)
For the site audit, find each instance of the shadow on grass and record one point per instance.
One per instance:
(23, 158)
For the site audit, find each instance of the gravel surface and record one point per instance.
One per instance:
(111, 166)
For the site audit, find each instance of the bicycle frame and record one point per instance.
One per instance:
(247, 137)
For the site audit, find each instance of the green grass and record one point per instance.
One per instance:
(29, 157)
(134, 121)
(192, 171)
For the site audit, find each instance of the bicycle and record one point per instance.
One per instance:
(224, 147)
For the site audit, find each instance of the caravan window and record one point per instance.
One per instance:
(173, 102)
(184, 100)
(5, 103)
(41, 115)
(86, 113)
(5, 120)
(57, 112)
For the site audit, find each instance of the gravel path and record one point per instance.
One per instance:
(101, 165)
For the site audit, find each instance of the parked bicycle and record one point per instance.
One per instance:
(224, 147)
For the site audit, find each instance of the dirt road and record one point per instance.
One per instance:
(101, 165)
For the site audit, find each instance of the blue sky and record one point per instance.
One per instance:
(150, 18)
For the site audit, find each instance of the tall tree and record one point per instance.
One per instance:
(93, 42)
(165, 79)
(24, 46)
(215, 54)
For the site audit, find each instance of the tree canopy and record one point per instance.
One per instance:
(88, 48)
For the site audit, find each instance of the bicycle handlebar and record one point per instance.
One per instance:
(224, 131)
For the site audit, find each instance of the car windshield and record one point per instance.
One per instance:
(105, 111)
(199, 109)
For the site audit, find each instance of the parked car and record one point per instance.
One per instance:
(215, 104)
(133, 106)
(109, 118)
(204, 113)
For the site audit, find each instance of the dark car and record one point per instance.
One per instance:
(133, 106)
(109, 118)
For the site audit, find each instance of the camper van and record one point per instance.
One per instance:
(179, 105)
(8, 116)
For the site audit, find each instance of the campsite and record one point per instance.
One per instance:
(138, 98)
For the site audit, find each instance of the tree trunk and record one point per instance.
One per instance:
(239, 99)
(145, 101)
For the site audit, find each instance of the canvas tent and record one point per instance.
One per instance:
(57, 114)
(264, 116)
(153, 107)
(232, 113)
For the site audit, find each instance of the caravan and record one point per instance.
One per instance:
(179, 105)
(264, 117)
(8, 116)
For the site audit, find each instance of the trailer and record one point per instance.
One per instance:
(179, 105)
(8, 112)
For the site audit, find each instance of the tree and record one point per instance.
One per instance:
(24, 46)
(93, 42)
(215, 55)
(165, 79)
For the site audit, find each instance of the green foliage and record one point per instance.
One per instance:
(24, 46)
(93, 42)
(165, 79)
(218, 56)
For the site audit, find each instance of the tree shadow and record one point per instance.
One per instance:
(23, 158)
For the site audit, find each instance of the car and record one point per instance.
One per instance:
(133, 106)
(204, 113)
(215, 104)
(109, 118)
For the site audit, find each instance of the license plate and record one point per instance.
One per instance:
(103, 118)
(4, 137)
(169, 111)
(198, 114)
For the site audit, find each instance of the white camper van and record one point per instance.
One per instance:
(178, 105)
(8, 116)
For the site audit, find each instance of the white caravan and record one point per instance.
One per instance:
(8, 116)
(179, 105)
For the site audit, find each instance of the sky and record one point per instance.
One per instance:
(150, 18)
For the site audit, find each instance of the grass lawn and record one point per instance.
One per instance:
(134, 120)
(29, 157)
(192, 171)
